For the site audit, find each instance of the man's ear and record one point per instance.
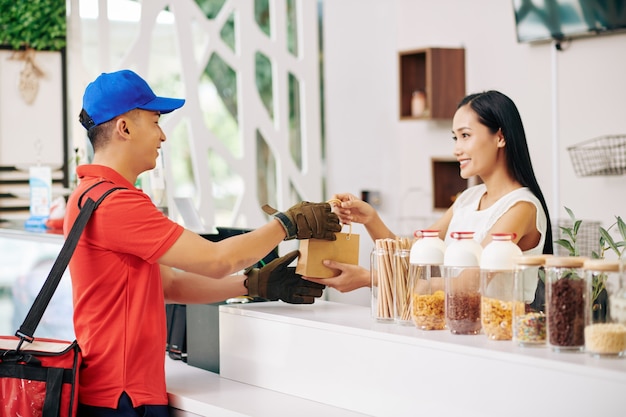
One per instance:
(122, 127)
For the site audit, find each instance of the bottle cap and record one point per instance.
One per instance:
(429, 250)
(464, 251)
(500, 253)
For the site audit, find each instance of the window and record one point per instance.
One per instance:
(249, 71)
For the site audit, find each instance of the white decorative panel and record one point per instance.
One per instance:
(226, 128)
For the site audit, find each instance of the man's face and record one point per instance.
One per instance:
(147, 136)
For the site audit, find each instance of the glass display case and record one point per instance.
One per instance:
(25, 260)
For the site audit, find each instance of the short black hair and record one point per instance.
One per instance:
(97, 134)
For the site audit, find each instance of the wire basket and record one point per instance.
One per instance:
(605, 155)
(587, 238)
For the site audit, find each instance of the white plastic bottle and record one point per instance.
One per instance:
(426, 281)
(497, 274)
(461, 271)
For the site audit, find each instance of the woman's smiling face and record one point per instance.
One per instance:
(475, 147)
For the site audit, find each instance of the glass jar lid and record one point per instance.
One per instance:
(604, 265)
(566, 261)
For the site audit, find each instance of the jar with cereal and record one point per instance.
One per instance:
(426, 281)
(461, 271)
(567, 303)
(496, 276)
(529, 317)
(604, 336)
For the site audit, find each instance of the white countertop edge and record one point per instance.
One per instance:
(356, 320)
(201, 408)
(205, 393)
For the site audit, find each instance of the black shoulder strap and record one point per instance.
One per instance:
(27, 329)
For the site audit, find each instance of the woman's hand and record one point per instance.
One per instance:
(352, 209)
(350, 278)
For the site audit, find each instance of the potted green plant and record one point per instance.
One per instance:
(607, 243)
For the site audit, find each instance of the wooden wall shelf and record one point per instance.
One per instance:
(437, 72)
(447, 183)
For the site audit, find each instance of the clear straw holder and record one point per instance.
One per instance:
(402, 293)
(381, 270)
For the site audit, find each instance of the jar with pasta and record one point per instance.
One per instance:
(604, 336)
(529, 317)
(461, 271)
(567, 303)
(426, 281)
(496, 275)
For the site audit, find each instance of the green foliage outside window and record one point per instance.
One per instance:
(36, 24)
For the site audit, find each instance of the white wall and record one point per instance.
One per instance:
(360, 110)
(368, 147)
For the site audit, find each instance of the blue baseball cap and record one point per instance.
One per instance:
(115, 93)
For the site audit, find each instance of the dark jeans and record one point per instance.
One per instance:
(124, 409)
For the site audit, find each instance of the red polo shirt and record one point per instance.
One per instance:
(119, 314)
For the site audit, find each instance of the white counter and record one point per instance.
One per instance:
(196, 392)
(332, 359)
(12, 229)
(336, 354)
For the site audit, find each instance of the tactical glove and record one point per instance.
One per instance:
(307, 220)
(277, 281)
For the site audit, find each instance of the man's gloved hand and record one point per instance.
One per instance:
(277, 281)
(307, 220)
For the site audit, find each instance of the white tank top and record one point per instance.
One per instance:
(468, 218)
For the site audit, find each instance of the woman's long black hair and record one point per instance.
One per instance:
(497, 111)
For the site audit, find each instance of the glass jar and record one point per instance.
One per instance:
(401, 283)
(426, 280)
(381, 272)
(603, 335)
(618, 299)
(529, 317)
(567, 303)
(497, 282)
(461, 271)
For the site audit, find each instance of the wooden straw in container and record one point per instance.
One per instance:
(384, 306)
(401, 280)
(393, 292)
